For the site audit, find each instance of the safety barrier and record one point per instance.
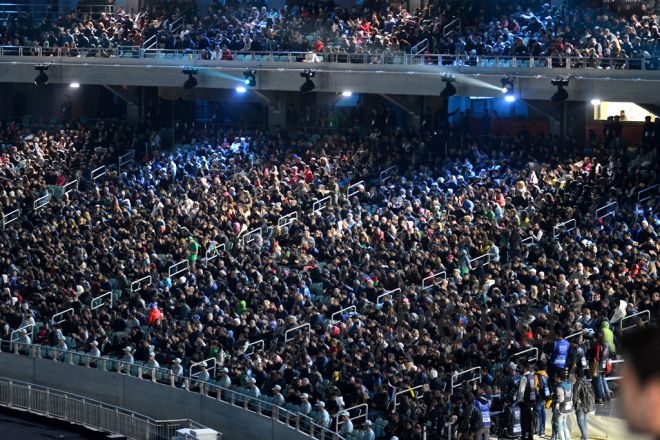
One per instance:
(534, 349)
(424, 286)
(254, 347)
(286, 220)
(353, 189)
(91, 413)
(99, 172)
(644, 312)
(41, 202)
(610, 211)
(126, 158)
(10, 217)
(286, 333)
(647, 194)
(384, 175)
(455, 376)
(341, 312)
(529, 239)
(53, 320)
(320, 204)
(213, 253)
(69, 187)
(408, 390)
(359, 416)
(560, 225)
(250, 236)
(208, 367)
(175, 269)
(13, 336)
(486, 256)
(573, 335)
(389, 293)
(140, 284)
(98, 301)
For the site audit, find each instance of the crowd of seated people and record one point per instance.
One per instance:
(460, 235)
(375, 32)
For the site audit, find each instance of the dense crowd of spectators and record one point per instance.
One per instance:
(373, 30)
(479, 221)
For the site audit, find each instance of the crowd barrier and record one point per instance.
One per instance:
(561, 225)
(10, 217)
(176, 269)
(98, 173)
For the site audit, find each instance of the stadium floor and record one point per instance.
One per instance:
(19, 425)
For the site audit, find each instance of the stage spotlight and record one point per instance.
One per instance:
(241, 89)
(347, 93)
(560, 95)
(309, 85)
(508, 85)
(42, 78)
(191, 82)
(449, 89)
(510, 98)
(250, 77)
(595, 101)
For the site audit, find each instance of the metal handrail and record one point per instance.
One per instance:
(610, 211)
(574, 335)
(643, 312)
(486, 255)
(349, 191)
(298, 421)
(557, 226)
(18, 331)
(175, 29)
(254, 350)
(175, 266)
(99, 299)
(359, 416)
(446, 32)
(534, 349)
(639, 194)
(123, 160)
(153, 37)
(250, 236)
(389, 173)
(5, 222)
(41, 202)
(320, 205)
(215, 252)
(388, 293)
(286, 220)
(67, 188)
(140, 284)
(530, 238)
(432, 277)
(286, 333)
(341, 312)
(454, 376)
(96, 176)
(60, 313)
(408, 390)
(425, 42)
(194, 364)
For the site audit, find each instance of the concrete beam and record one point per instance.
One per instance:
(406, 104)
(269, 99)
(124, 94)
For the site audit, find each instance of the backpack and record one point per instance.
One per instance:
(476, 419)
(544, 389)
(585, 394)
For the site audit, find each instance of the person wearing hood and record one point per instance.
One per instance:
(243, 308)
(619, 313)
(609, 338)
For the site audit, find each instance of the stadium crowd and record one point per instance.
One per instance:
(376, 31)
(468, 237)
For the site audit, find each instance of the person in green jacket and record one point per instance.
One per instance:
(609, 337)
(193, 250)
(243, 308)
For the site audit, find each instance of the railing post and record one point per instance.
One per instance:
(153, 375)
(187, 382)
(37, 351)
(29, 397)
(104, 364)
(172, 380)
(66, 404)
(139, 371)
(259, 407)
(298, 422)
(47, 402)
(70, 358)
(100, 420)
(10, 397)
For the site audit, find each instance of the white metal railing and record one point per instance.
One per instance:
(208, 368)
(560, 225)
(459, 374)
(254, 345)
(647, 194)
(320, 204)
(286, 220)
(18, 332)
(297, 421)
(91, 413)
(140, 284)
(432, 277)
(354, 189)
(384, 175)
(420, 47)
(213, 253)
(126, 158)
(450, 28)
(533, 349)
(486, 256)
(574, 335)
(359, 416)
(250, 236)
(389, 293)
(610, 211)
(10, 217)
(99, 172)
(529, 239)
(69, 187)
(286, 333)
(175, 269)
(98, 301)
(341, 312)
(41, 202)
(62, 313)
(643, 312)
(407, 390)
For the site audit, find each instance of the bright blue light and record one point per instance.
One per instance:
(510, 98)
(240, 89)
(247, 81)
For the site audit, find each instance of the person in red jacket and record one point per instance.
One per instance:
(153, 315)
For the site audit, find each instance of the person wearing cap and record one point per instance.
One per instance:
(347, 425)
(253, 392)
(177, 369)
(126, 360)
(60, 348)
(94, 350)
(369, 434)
(305, 406)
(23, 342)
(224, 381)
(278, 398)
(193, 249)
(322, 417)
(154, 315)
